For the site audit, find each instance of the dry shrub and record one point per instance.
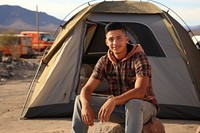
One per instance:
(11, 43)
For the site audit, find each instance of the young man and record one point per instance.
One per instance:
(128, 73)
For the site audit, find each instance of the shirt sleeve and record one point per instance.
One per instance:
(99, 71)
(142, 66)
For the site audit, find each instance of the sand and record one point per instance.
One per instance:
(13, 95)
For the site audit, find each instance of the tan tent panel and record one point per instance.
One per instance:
(65, 31)
(127, 7)
(80, 43)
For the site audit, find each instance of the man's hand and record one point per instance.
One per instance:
(106, 110)
(88, 115)
(85, 96)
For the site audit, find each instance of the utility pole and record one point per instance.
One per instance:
(37, 27)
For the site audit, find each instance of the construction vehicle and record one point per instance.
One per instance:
(40, 40)
(18, 44)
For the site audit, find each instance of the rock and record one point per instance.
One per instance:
(154, 126)
(17, 69)
(5, 74)
(117, 129)
(2, 81)
(7, 59)
(107, 127)
(10, 66)
(12, 74)
(198, 130)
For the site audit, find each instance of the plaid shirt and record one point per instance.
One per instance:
(121, 75)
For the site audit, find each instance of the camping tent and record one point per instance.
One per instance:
(79, 44)
(196, 40)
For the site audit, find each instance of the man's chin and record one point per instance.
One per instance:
(116, 52)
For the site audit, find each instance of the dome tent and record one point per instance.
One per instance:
(169, 48)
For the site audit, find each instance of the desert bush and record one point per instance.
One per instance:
(10, 42)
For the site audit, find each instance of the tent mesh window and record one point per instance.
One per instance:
(138, 33)
(144, 36)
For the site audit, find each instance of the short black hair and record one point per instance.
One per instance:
(114, 26)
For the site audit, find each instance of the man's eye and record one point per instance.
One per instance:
(111, 39)
(119, 38)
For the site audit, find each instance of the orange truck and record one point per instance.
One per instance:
(23, 46)
(40, 40)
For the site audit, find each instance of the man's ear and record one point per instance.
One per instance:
(127, 39)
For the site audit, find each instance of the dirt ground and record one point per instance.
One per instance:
(13, 94)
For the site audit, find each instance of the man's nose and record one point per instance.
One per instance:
(115, 41)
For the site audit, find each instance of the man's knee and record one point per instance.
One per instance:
(134, 103)
(77, 98)
(77, 101)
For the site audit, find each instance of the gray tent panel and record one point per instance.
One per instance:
(167, 77)
(154, 23)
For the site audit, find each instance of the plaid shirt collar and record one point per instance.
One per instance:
(132, 48)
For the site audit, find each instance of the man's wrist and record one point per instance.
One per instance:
(85, 104)
(114, 100)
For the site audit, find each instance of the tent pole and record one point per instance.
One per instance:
(31, 85)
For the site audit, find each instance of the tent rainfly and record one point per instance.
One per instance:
(80, 42)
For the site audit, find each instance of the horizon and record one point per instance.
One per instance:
(188, 11)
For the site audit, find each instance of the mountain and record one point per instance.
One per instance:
(18, 19)
(196, 29)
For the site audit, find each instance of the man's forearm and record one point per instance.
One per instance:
(85, 96)
(138, 92)
(131, 94)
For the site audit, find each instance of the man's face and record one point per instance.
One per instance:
(116, 40)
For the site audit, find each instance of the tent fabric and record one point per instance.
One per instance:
(169, 48)
(154, 22)
(168, 75)
(143, 8)
(192, 54)
(65, 31)
(126, 7)
(62, 70)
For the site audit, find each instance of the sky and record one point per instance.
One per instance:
(188, 10)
